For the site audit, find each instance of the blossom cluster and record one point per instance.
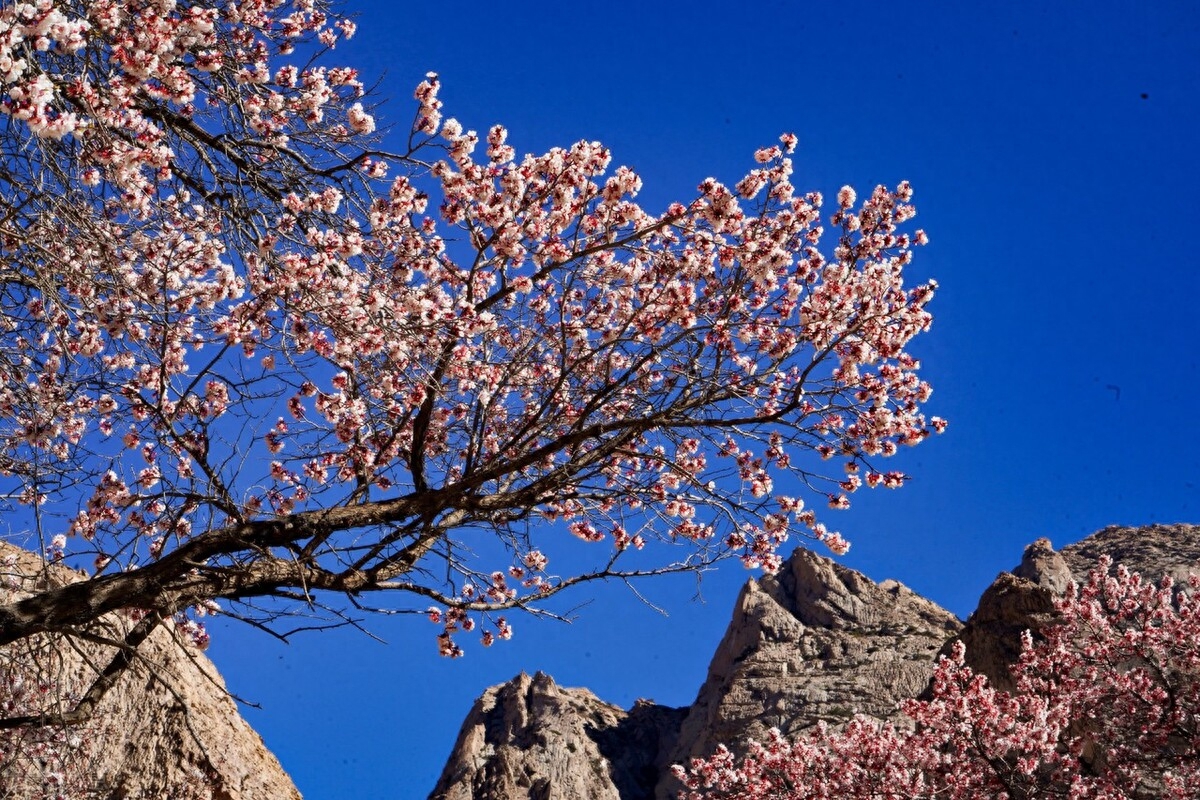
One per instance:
(1106, 705)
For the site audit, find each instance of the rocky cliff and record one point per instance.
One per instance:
(530, 738)
(816, 642)
(167, 728)
(1023, 599)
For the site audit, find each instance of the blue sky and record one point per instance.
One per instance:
(1052, 150)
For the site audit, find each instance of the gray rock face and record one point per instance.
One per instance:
(815, 642)
(167, 729)
(530, 739)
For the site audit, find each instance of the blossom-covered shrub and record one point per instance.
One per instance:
(1107, 705)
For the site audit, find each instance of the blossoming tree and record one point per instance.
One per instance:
(1107, 706)
(249, 353)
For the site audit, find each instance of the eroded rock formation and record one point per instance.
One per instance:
(530, 738)
(817, 641)
(167, 728)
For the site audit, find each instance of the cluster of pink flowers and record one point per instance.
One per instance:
(1106, 706)
(176, 55)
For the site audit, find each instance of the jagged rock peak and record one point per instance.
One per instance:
(816, 642)
(1042, 565)
(530, 738)
(822, 593)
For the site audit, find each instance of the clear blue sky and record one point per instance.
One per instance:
(1052, 147)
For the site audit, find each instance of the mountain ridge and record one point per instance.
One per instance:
(815, 642)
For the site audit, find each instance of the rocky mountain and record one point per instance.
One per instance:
(815, 642)
(167, 728)
(531, 738)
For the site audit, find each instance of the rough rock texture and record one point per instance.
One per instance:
(167, 728)
(531, 739)
(1024, 598)
(815, 642)
(1154, 550)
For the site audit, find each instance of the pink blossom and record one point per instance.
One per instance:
(360, 121)
(535, 560)
(1105, 706)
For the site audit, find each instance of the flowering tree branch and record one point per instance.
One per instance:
(249, 353)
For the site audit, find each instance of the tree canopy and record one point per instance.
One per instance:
(257, 346)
